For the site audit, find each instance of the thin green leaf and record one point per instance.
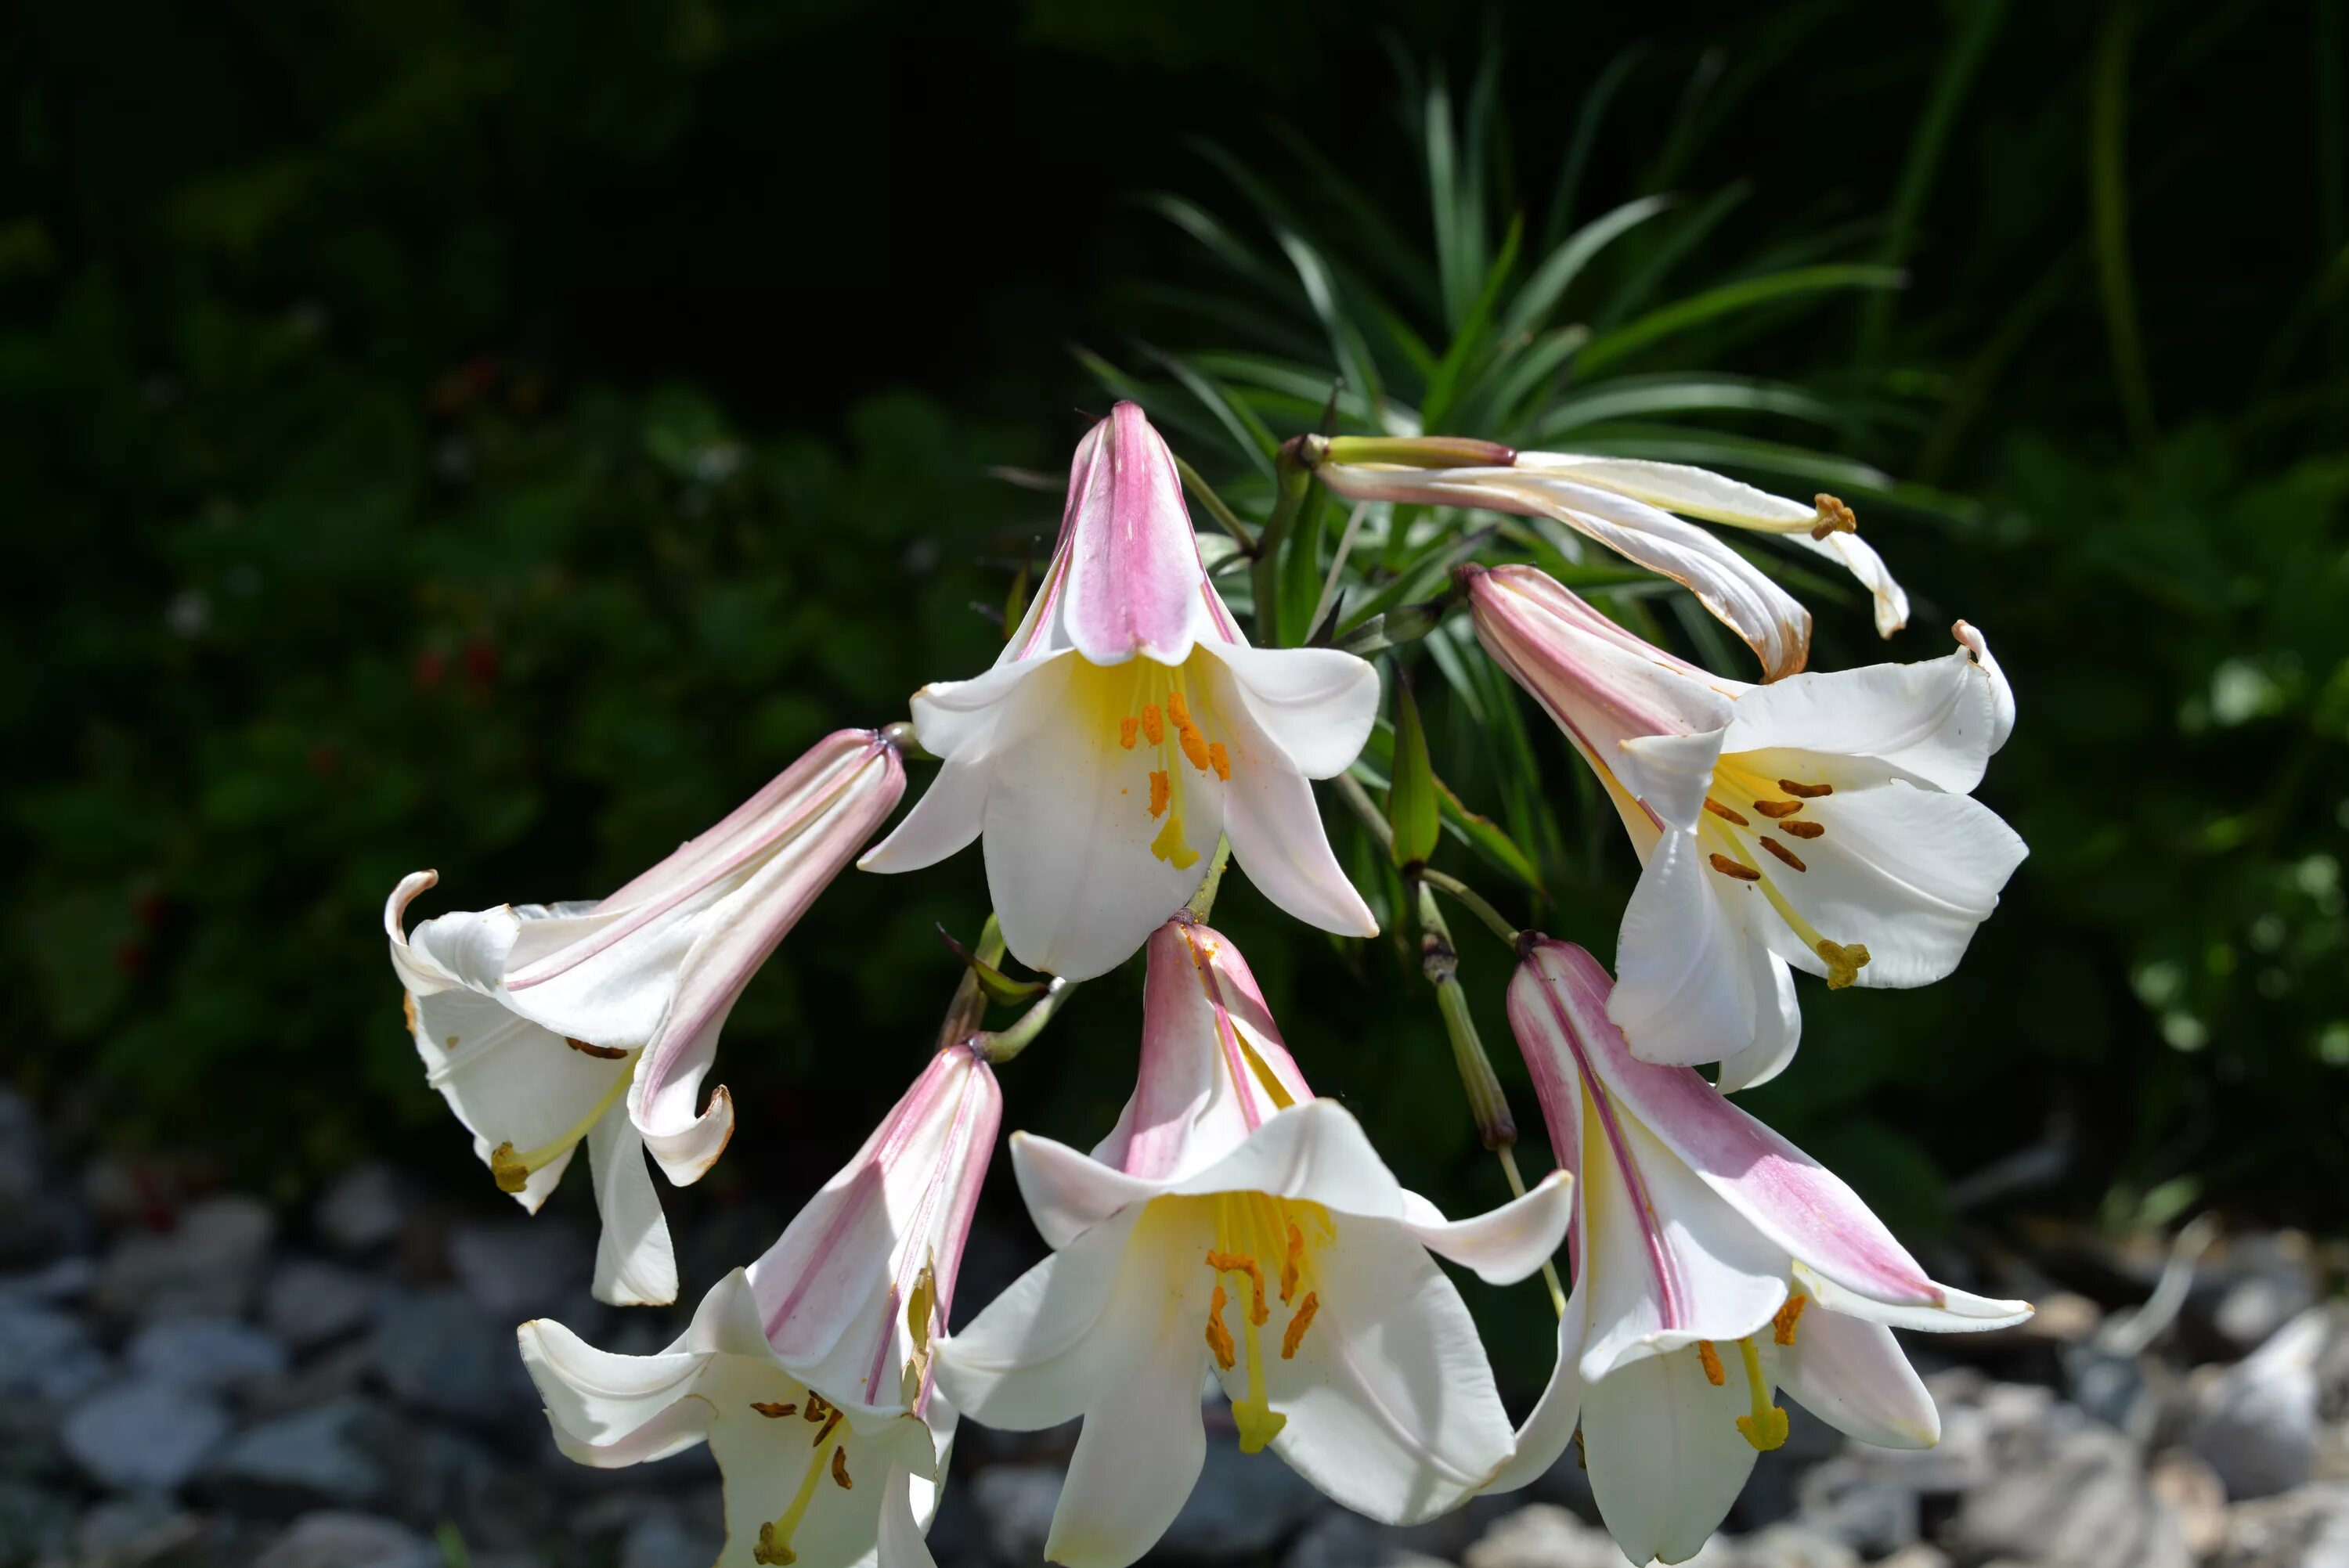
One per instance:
(1729, 299)
(1593, 113)
(1471, 336)
(1532, 307)
(1412, 811)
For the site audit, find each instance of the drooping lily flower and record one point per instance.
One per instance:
(811, 1374)
(1714, 1263)
(1127, 726)
(545, 1025)
(1627, 505)
(1821, 821)
(1232, 1222)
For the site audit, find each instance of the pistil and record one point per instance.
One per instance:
(513, 1170)
(1765, 1427)
(774, 1547)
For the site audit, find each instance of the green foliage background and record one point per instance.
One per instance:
(480, 438)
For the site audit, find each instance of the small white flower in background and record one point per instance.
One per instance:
(1714, 1264)
(1126, 728)
(1233, 1222)
(1626, 505)
(1821, 821)
(545, 1025)
(810, 1373)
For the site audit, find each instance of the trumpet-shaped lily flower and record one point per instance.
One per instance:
(1714, 1263)
(1127, 726)
(1233, 1222)
(810, 1373)
(1821, 821)
(547, 1025)
(1627, 505)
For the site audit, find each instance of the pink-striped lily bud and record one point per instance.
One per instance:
(1233, 1223)
(547, 1025)
(1127, 728)
(810, 1373)
(1715, 1264)
(1629, 504)
(1823, 823)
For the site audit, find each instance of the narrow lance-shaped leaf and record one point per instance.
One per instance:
(1411, 809)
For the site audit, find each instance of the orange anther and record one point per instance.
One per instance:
(1298, 1324)
(1803, 829)
(1219, 1338)
(1220, 759)
(1195, 746)
(1784, 853)
(1161, 790)
(1240, 1263)
(1730, 868)
(1152, 725)
(1782, 1327)
(1776, 809)
(1805, 792)
(1293, 1264)
(1177, 709)
(1717, 810)
(774, 1411)
(840, 1469)
(1714, 1373)
(1127, 729)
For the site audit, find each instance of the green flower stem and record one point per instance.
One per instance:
(1477, 905)
(1293, 478)
(969, 1008)
(1203, 903)
(1549, 1268)
(1439, 961)
(1002, 1044)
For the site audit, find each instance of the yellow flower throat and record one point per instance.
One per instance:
(1733, 838)
(1264, 1246)
(1142, 702)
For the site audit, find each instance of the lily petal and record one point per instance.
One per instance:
(901, 1542)
(1278, 839)
(1938, 720)
(1313, 707)
(634, 1264)
(1778, 1027)
(611, 1410)
(1133, 561)
(1039, 1351)
(1550, 1425)
(943, 821)
(1952, 1311)
(1852, 1375)
(1686, 993)
(1502, 1245)
(1858, 557)
(1666, 1457)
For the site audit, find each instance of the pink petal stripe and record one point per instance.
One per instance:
(1784, 1193)
(1133, 561)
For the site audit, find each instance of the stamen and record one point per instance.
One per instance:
(1293, 1264)
(1765, 1429)
(1782, 1327)
(1220, 759)
(1714, 1374)
(1844, 962)
(1834, 517)
(1152, 725)
(1219, 1338)
(817, 1407)
(601, 1053)
(773, 1410)
(1298, 1324)
(1581, 1454)
(511, 1172)
(1127, 729)
(774, 1547)
(1783, 852)
(1803, 829)
(1805, 792)
(1730, 868)
(1776, 809)
(1195, 746)
(840, 1469)
(1240, 1263)
(1162, 790)
(1177, 709)
(1717, 810)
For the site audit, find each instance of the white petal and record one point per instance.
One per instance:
(685, 1147)
(1144, 1442)
(610, 1410)
(1859, 558)
(1678, 487)
(1314, 705)
(1501, 1246)
(943, 821)
(1069, 832)
(1908, 872)
(1672, 773)
(954, 717)
(1778, 1024)
(1936, 721)
(1666, 1457)
(765, 1459)
(1315, 1152)
(1853, 1376)
(1039, 1353)
(1550, 1428)
(634, 1264)
(1970, 638)
(1391, 1405)
(902, 1544)
(1068, 1192)
(1960, 1312)
(1684, 989)
(1277, 838)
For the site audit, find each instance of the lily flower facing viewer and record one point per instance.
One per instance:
(1231, 1221)
(1127, 728)
(548, 1025)
(810, 1373)
(1714, 1263)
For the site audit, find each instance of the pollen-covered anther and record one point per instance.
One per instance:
(1730, 868)
(1220, 759)
(1803, 829)
(601, 1053)
(1219, 1338)
(1298, 1325)
(1777, 810)
(1724, 813)
(1154, 723)
(1128, 730)
(840, 1469)
(1162, 790)
(1782, 1325)
(1715, 1372)
(1844, 960)
(773, 1409)
(1834, 517)
(771, 1552)
(1805, 792)
(1784, 853)
(1293, 1264)
(510, 1173)
(817, 1407)
(1240, 1263)
(1194, 748)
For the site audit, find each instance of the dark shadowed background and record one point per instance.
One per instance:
(498, 436)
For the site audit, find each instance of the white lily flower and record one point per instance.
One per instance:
(1821, 821)
(1626, 505)
(1232, 1222)
(810, 1373)
(545, 1025)
(1714, 1263)
(1127, 726)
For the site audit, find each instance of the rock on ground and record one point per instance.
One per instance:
(214, 1355)
(2073, 1493)
(320, 1458)
(329, 1540)
(144, 1436)
(310, 1303)
(207, 1266)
